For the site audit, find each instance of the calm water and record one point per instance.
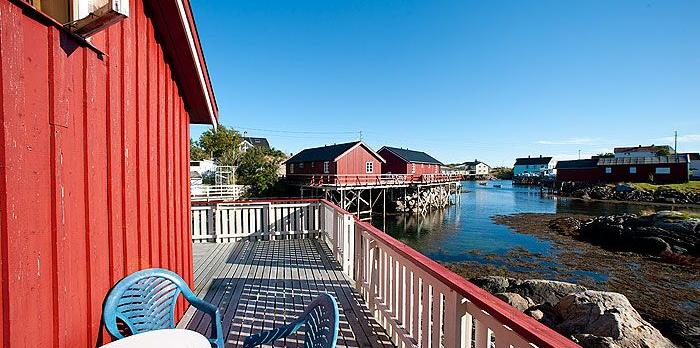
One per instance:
(465, 231)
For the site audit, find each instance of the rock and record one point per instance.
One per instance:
(651, 245)
(545, 291)
(624, 187)
(679, 332)
(493, 284)
(515, 300)
(606, 319)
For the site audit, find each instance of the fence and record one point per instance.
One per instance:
(419, 302)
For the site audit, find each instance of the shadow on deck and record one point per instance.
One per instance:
(265, 284)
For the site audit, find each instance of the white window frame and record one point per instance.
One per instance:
(662, 170)
(633, 170)
(369, 167)
(326, 167)
(413, 168)
(608, 170)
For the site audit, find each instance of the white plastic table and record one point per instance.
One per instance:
(167, 338)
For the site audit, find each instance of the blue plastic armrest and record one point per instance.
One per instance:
(218, 339)
(272, 335)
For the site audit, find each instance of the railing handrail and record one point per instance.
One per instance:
(520, 323)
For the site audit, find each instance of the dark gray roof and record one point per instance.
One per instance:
(473, 163)
(582, 163)
(322, 153)
(620, 161)
(412, 156)
(532, 160)
(257, 142)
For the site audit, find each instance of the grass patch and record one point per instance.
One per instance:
(691, 186)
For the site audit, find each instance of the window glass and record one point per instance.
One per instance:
(413, 168)
(663, 170)
(326, 167)
(608, 170)
(369, 167)
(291, 168)
(633, 170)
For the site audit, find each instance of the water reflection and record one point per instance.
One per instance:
(466, 232)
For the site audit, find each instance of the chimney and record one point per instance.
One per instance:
(540, 156)
(528, 156)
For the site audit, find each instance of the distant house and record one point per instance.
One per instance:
(202, 166)
(658, 169)
(642, 151)
(458, 169)
(534, 166)
(583, 170)
(404, 161)
(250, 142)
(477, 168)
(346, 162)
(693, 164)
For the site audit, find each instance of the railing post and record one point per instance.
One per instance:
(266, 218)
(214, 227)
(348, 244)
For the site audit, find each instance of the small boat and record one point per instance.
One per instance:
(497, 185)
(482, 183)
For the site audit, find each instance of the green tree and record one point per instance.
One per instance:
(196, 152)
(606, 155)
(258, 168)
(664, 151)
(503, 173)
(222, 145)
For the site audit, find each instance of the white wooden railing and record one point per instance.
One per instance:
(217, 192)
(419, 302)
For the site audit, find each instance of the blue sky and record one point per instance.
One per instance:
(492, 80)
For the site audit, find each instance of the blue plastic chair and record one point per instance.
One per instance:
(145, 301)
(321, 319)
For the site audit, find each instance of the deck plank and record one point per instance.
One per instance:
(259, 285)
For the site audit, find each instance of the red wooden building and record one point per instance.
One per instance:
(347, 163)
(584, 170)
(656, 169)
(93, 159)
(404, 161)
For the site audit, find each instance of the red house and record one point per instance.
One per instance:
(93, 157)
(657, 169)
(404, 161)
(584, 170)
(348, 163)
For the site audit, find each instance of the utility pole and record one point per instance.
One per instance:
(675, 142)
(579, 154)
(675, 145)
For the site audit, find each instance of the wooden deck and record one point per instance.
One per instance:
(265, 284)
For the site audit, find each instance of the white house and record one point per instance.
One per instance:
(534, 166)
(642, 151)
(477, 168)
(199, 168)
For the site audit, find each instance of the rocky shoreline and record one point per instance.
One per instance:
(628, 193)
(661, 284)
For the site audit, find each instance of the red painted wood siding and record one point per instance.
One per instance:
(93, 154)
(397, 165)
(621, 173)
